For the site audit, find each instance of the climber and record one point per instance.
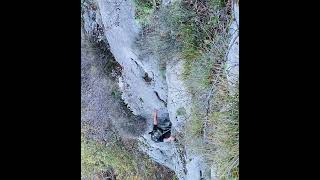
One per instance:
(161, 132)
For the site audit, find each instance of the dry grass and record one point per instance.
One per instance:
(97, 157)
(120, 158)
(225, 137)
(215, 135)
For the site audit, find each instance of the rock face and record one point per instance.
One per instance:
(233, 54)
(143, 88)
(178, 97)
(179, 101)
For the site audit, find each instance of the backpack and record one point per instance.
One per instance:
(161, 130)
(156, 134)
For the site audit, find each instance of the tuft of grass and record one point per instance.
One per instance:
(144, 11)
(194, 125)
(163, 72)
(181, 111)
(116, 93)
(217, 3)
(175, 177)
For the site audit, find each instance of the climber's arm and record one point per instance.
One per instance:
(155, 121)
(171, 138)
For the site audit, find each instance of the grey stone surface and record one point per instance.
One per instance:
(233, 54)
(143, 88)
